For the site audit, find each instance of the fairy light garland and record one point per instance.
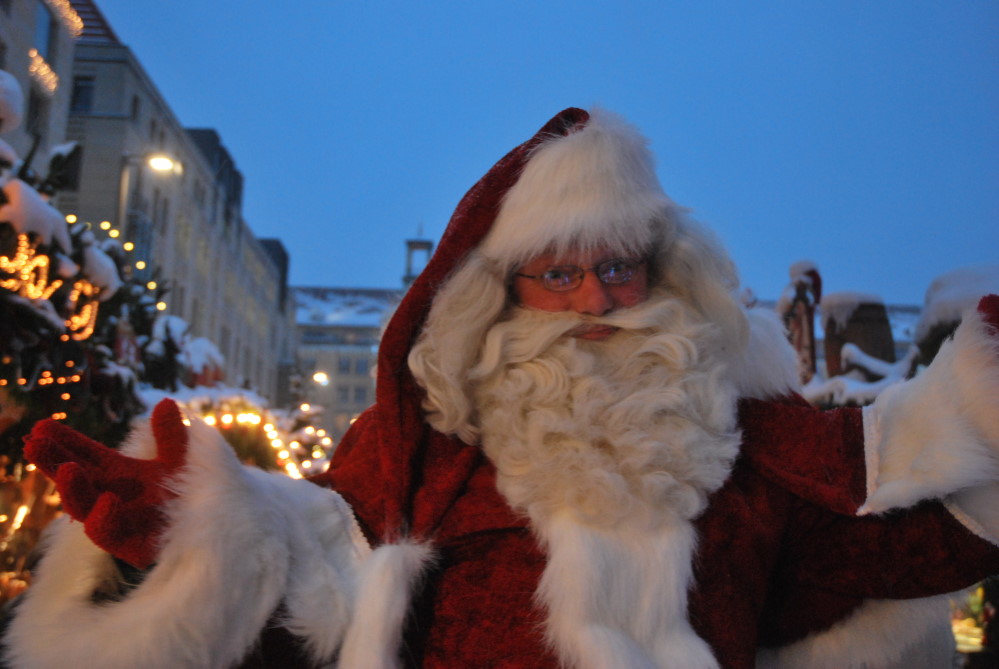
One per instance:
(70, 19)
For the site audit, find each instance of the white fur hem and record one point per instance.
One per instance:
(240, 542)
(938, 433)
(881, 634)
(386, 585)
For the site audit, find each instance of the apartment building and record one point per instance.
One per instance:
(36, 46)
(176, 195)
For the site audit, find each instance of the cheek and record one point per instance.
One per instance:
(633, 293)
(529, 294)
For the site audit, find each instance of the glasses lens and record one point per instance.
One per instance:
(618, 270)
(560, 279)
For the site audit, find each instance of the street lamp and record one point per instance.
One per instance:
(141, 232)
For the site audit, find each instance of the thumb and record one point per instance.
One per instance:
(171, 435)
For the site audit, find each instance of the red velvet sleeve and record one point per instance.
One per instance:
(815, 455)
(830, 559)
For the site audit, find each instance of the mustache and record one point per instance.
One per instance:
(527, 333)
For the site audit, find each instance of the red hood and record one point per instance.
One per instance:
(398, 473)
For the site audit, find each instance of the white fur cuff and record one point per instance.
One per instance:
(938, 433)
(240, 542)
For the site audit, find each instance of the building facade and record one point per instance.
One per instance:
(338, 334)
(182, 215)
(36, 46)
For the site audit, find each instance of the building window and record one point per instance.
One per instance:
(82, 99)
(361, 366)
(136, 108)
(38, 112)
(342, 395)
(343, 365)
(45, 31)
(360, 395)
(5, 6)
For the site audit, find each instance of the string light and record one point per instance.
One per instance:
(141, 264)
(30, 270)
(42, 73)
(72, 20)
(71, 218)
(151, 285)
(113, 234)
(128, 246)
(161, 306)
(105, 225)
(81, 323)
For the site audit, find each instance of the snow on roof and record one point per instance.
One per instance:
(838, 307)
(356, 307)
(199, 353)
(952, 293)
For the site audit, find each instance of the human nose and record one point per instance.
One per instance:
(591, 297)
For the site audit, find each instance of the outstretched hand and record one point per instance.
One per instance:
(118, 499)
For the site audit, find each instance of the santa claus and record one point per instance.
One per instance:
(583, 453)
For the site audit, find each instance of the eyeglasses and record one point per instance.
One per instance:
(562, 278)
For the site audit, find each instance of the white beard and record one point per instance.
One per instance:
(611, 448)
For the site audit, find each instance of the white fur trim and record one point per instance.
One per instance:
(617, 597)
(387, 582)
(978, 509)
(769, 367)
(881, 634)
(938, 433)
(595, 187)
(239, 542)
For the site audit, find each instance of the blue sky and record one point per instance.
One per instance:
(863, 136)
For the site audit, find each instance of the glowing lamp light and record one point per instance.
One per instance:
(105, 225)
(210, 420)
(71, 218)
(113, 234)
(141, 264)
(161, 163)
(227, 419)
(283, 455)
(161, 306)
(322, 378)
(128, 246)
(151, 285)
(305, 407)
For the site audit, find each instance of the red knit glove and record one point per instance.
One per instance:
(118, 499)
(988, 306)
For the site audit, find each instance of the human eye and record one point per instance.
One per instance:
(560, 278)
(618, 270)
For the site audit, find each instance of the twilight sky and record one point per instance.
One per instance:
(863, 136)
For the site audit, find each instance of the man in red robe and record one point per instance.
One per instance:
(583, 452)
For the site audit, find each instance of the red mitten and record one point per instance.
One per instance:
(118, 499)
(988, 307)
